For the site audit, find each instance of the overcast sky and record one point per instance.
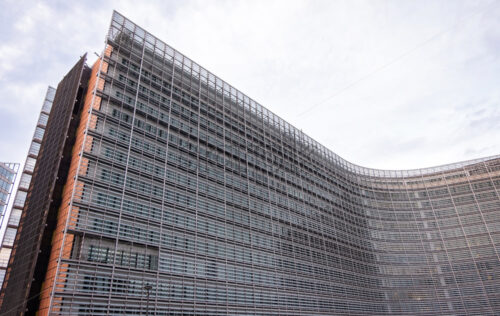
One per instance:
(384, 84)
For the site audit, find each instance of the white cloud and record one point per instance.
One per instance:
(426, 78)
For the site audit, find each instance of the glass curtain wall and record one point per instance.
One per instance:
(189, 198)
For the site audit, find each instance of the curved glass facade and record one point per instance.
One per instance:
(436, 237)
(186, 197)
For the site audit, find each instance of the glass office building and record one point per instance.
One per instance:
(165, 191)
(10, 223)
(8, 173)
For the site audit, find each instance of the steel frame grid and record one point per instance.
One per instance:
(366, 222)
(388, 184)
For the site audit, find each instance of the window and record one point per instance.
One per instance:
(34, 149)
(43, 119)
(39, 133)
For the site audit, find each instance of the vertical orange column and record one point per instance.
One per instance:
(61, 244)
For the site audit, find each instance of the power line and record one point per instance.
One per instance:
(24, 302)
(393, 61)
